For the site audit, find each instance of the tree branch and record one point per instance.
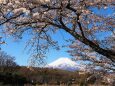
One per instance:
(79, 24)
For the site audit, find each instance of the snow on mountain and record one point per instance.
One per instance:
(65, 64)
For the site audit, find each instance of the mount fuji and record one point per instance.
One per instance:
(64, 63)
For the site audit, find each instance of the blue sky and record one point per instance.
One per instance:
(17, 48)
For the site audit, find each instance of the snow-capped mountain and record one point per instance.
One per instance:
(65, 64)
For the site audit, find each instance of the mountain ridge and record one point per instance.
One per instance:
(65, 63)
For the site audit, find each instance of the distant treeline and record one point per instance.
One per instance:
(24, 75)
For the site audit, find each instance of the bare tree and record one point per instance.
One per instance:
(41, 18)
(6, 62)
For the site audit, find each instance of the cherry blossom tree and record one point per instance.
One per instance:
(42, 18)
